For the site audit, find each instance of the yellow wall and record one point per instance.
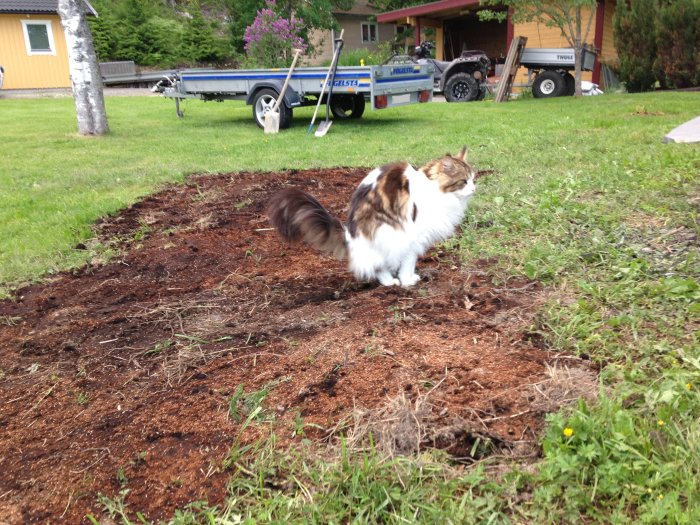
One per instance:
(24, 71)
(608, 54)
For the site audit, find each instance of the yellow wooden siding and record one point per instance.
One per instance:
(24, 71)
(608, 53)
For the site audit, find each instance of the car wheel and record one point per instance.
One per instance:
(548, 84)
(461, 87)
(347, 106)
(263, 103)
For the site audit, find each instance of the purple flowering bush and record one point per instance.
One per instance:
(270, 38)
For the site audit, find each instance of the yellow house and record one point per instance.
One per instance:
(454, 25)
(33, 48)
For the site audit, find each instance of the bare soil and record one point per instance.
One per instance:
(120, 374)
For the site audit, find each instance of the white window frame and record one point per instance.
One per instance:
(49, 32)
(369, 32)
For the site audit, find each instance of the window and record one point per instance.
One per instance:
(369, 32)
(38, 37)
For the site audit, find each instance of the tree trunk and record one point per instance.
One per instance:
(84, 69)
(578, 63)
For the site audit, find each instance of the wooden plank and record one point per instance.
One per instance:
(510, 68)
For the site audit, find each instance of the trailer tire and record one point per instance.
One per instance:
(548, 84)
(461, 87)
(263, 101)
(570, 85)
(347, 106)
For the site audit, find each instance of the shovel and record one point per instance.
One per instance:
(323, 127)
(325, 82)
(272, 117)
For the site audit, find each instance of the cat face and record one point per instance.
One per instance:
(453, 174)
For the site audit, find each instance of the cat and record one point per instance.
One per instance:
(396, 214)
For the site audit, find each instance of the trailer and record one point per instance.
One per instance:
(551, 69)
(381, 86)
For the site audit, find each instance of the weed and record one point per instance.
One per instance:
(159, 347)
(242, 204)
(82, 398)
(121, 477)
(243, 404)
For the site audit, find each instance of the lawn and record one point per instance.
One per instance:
(584, 198)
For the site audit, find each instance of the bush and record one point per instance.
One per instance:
(678, 41)
(635, 41)
(270, 38)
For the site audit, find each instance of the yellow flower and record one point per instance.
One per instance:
(660, 497)
(661, 422)
(568, 432)
(688, 386)
(649, 491)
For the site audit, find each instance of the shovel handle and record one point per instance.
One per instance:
(275, 108)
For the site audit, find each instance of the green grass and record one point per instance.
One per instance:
(586, 199)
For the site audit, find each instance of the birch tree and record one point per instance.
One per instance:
(573, 18)
(84, 68)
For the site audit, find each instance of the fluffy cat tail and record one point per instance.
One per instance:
(298, 216)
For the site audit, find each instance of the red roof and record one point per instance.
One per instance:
(432, 8)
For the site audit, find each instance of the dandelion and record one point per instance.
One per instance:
(688, 386)
(568, 432)
(661, 422)
(660, 497)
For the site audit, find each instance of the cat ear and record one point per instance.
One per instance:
(462, 155)
(447, 164)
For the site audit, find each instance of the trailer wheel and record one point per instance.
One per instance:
(570, 85)
(263, 102)
(347, 106)
(548, 84)
(461, 87)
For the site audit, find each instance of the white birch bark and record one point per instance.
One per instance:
(84, 69)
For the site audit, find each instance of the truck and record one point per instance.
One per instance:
(551, 68)
(381, 86)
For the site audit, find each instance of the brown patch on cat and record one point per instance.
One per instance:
(386, 203)
(297, 215)
(451, 172)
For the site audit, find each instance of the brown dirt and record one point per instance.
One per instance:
(120, 374)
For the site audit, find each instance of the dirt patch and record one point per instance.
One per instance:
(126, 375)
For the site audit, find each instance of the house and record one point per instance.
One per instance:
(454, 25)
(362, 31)
(33, 49)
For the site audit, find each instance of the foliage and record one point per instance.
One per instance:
(270, 38)
(677, 62)
(657, 42)
(635, 41)
(368, 57)
(152, 34)
(199, 44)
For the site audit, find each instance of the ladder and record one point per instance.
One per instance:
(510, 68)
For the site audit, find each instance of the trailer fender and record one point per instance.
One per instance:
(291, 97)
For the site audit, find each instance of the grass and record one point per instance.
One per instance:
(586, 199)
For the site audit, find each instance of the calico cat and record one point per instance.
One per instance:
(396, 214)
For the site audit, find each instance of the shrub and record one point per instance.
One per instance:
(270, 38)
(678, 41)
(635, 40)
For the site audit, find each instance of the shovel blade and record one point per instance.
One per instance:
(323, 128)
(272, 122)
